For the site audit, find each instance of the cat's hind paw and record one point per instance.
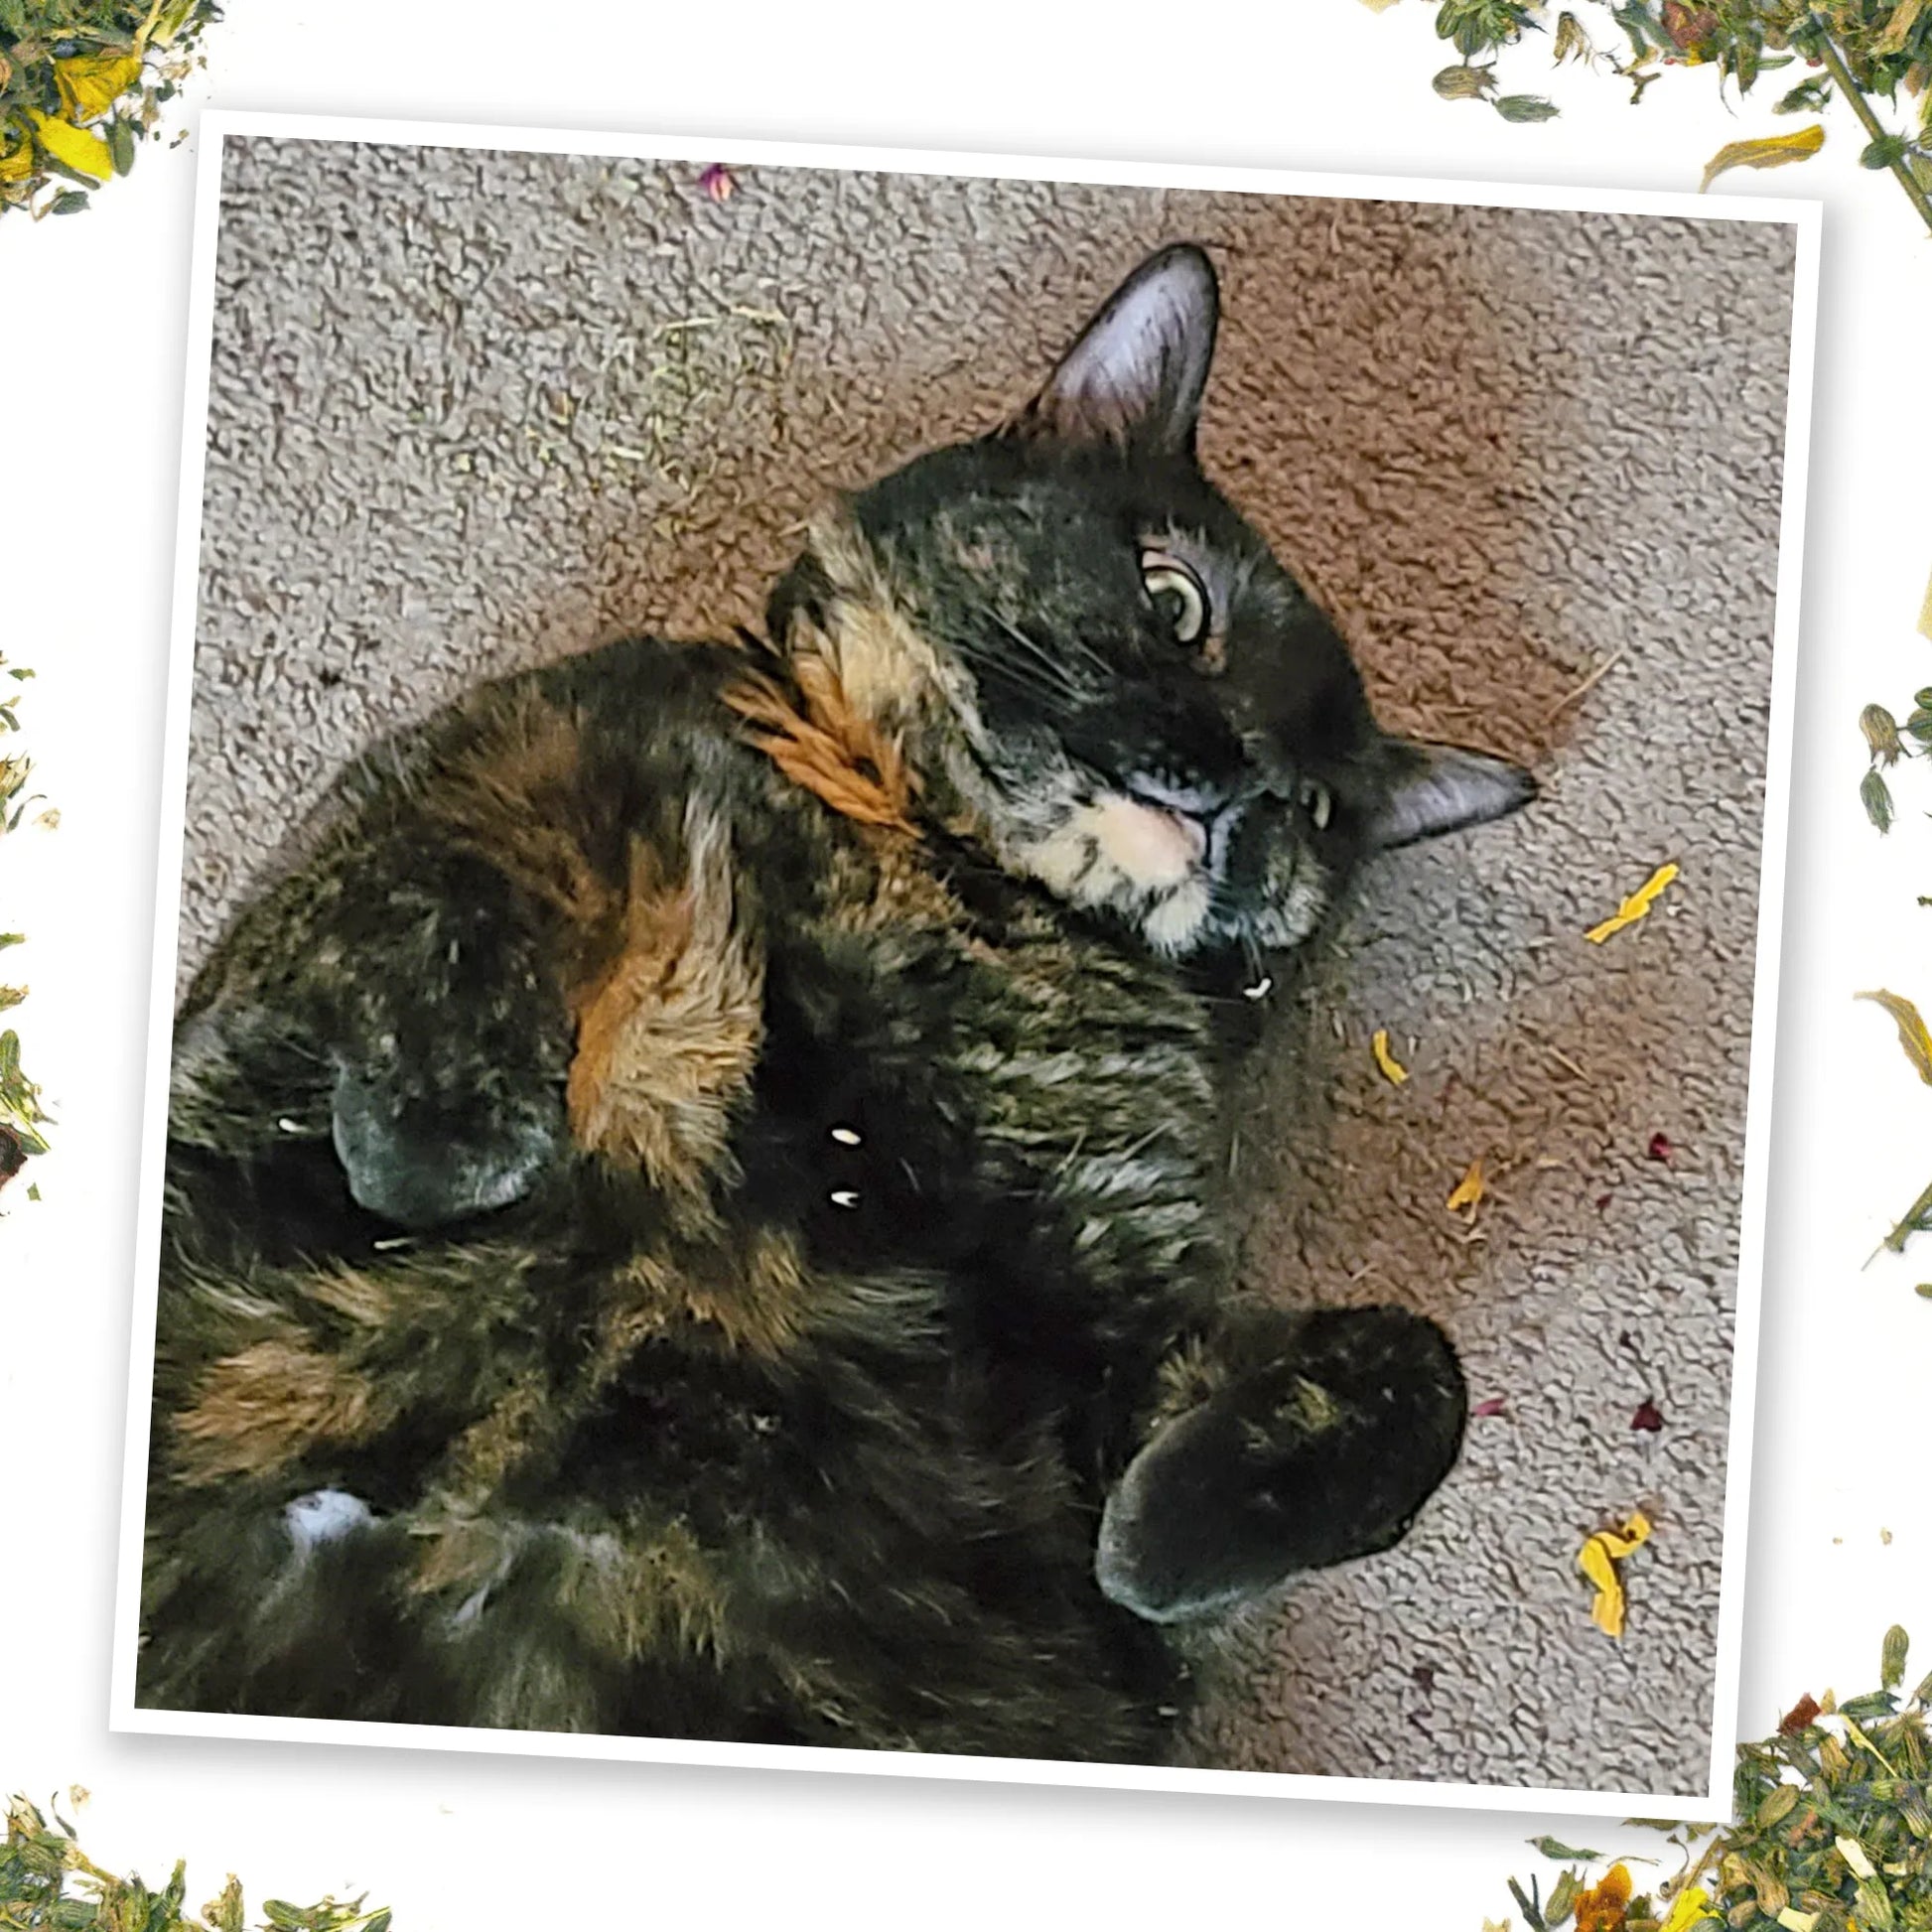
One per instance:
(1323, 1455)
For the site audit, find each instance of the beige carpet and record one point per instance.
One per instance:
(471, 412)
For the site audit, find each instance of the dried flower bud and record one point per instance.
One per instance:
(1462, 81)
(1572, 43)
(1880, 730)
(1891, 1660)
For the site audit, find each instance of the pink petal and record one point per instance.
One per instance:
(1494, 1407)
(1660, 1146)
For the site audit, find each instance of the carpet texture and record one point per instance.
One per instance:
(471, 412)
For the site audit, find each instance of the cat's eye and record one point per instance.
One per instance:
(1176, 593)
(1317, 801)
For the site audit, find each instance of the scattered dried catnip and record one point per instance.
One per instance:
(1866, 51)
(46, 1880)
(1831, 1831)
(81, 82)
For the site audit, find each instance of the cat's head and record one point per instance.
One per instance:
(1098, 668)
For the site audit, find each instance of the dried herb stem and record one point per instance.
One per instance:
(1828, 52)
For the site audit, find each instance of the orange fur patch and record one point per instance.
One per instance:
(267, 1405)
(822, 744)
(667, 1036)
(508, 795)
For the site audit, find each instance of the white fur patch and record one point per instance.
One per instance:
(1175, 924)
(324, 1516)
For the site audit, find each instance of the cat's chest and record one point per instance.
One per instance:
(928, 1094)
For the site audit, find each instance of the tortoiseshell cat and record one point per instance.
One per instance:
(692, 1200)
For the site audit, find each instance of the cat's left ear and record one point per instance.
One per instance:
(1431, 789)
(1135, 378)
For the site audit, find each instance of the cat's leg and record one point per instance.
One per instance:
(393, 1015)
(1323, 1452)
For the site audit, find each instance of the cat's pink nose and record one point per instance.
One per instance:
(1155, 845)
(1194, 834)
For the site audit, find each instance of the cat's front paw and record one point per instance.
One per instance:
(448, 1099)
(1324, 1454)
(424, 1160)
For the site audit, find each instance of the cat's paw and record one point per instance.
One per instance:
(424, 1158)
(1324, 1454)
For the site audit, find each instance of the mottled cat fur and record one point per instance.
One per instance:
(691, 1200)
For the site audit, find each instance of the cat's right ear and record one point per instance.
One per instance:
(1133, 381)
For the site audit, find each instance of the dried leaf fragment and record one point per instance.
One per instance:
(1853, 1853)
(1469, 1189)
(1912, 1035)
(1393, 1070)
(1598, 1560)
(1555, 1848)
(1876, 796)
(1635, 906)
(1767, 151)
(1799, 1715)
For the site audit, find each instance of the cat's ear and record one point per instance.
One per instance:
(1135, 378)
(1431, 789)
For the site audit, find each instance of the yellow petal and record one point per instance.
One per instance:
(1636, 1530)
(85, 154)
(1690, 1909)
(1913, 1036)
(1378, 6)
(1635, 906)
(1769, 151)
(1595, 1560)
(90, 83)
(1469, 1189)
(1392, 1070)
(18, 164)
(1925, 610)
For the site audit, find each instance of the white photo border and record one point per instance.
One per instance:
(1805, 218)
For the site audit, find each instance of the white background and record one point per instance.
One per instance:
(93, 311)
